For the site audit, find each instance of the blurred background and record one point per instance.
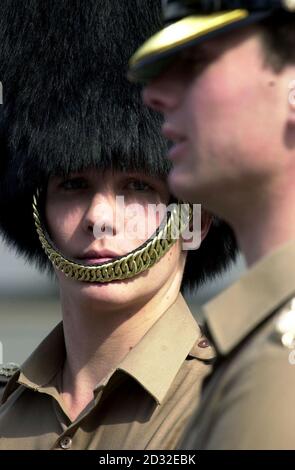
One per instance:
(29, 305)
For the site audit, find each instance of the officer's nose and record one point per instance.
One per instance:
(162, 94)
(100, 216)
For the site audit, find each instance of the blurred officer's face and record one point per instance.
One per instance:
(86, 224)
(226, 110)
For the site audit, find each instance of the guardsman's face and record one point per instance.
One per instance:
(225, 109)
(88, 223)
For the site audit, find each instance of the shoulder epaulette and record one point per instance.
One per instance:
(7, 371)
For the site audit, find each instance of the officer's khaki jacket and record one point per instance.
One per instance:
(249, 399)
(144, 404)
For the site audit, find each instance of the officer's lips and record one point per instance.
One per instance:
(98, 257)
(179, 143)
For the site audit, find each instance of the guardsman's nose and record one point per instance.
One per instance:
(99, 218)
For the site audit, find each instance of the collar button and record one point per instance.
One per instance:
(65, 442)
(204, 343)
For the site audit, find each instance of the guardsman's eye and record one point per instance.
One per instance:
(138, 185)
(72, 184)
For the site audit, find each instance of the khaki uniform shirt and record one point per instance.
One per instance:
(144, 404)
(248, 401)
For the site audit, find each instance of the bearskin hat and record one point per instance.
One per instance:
(67, 105)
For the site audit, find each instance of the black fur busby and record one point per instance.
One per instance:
(67, 105)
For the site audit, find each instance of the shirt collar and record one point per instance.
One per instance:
(156, 359)
(153, 362)
(45, 362)
(232, 315)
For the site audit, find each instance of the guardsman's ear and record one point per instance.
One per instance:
(206, 222)
(291, 101)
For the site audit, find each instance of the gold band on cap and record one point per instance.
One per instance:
(174, 36)
(126, 266)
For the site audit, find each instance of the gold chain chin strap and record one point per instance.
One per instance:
(126, 266)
